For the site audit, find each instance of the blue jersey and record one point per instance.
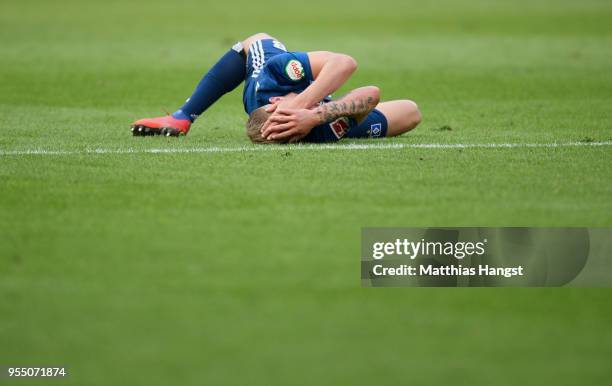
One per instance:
(272, 71)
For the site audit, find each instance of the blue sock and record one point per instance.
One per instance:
(227, 74)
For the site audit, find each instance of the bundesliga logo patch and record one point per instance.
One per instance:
(295, 70)
(340, 127)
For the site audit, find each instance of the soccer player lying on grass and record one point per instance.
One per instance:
(286, 95)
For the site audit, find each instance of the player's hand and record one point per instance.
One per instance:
(275, 103)
(271, 108)
(289, 125)
(280, 102)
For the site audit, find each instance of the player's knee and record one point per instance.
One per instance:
(258, 36)
(412, 115)
(246, 43)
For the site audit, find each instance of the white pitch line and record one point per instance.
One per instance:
(352, 146)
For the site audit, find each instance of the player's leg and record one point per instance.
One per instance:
(388, 119)
(248, 42)
(227, 74)
(402, 116)
(258, 49)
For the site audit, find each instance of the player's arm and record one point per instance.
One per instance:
(330, 71)
(294, 124)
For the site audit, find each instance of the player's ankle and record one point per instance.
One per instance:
(179, 114)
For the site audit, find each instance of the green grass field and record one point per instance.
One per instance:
(242, 267)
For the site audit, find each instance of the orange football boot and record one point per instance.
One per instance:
(167, 125)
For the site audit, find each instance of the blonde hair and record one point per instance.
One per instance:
(254, 125)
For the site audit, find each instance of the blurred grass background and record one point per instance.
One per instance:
(243, 268)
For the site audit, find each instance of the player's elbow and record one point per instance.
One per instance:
(351, 63)
(348, 63)
(373, 95)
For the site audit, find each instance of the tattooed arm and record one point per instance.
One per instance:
(330, 71)
(294, 124)
(356, 104)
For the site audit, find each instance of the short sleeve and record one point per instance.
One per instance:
(291, 68)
